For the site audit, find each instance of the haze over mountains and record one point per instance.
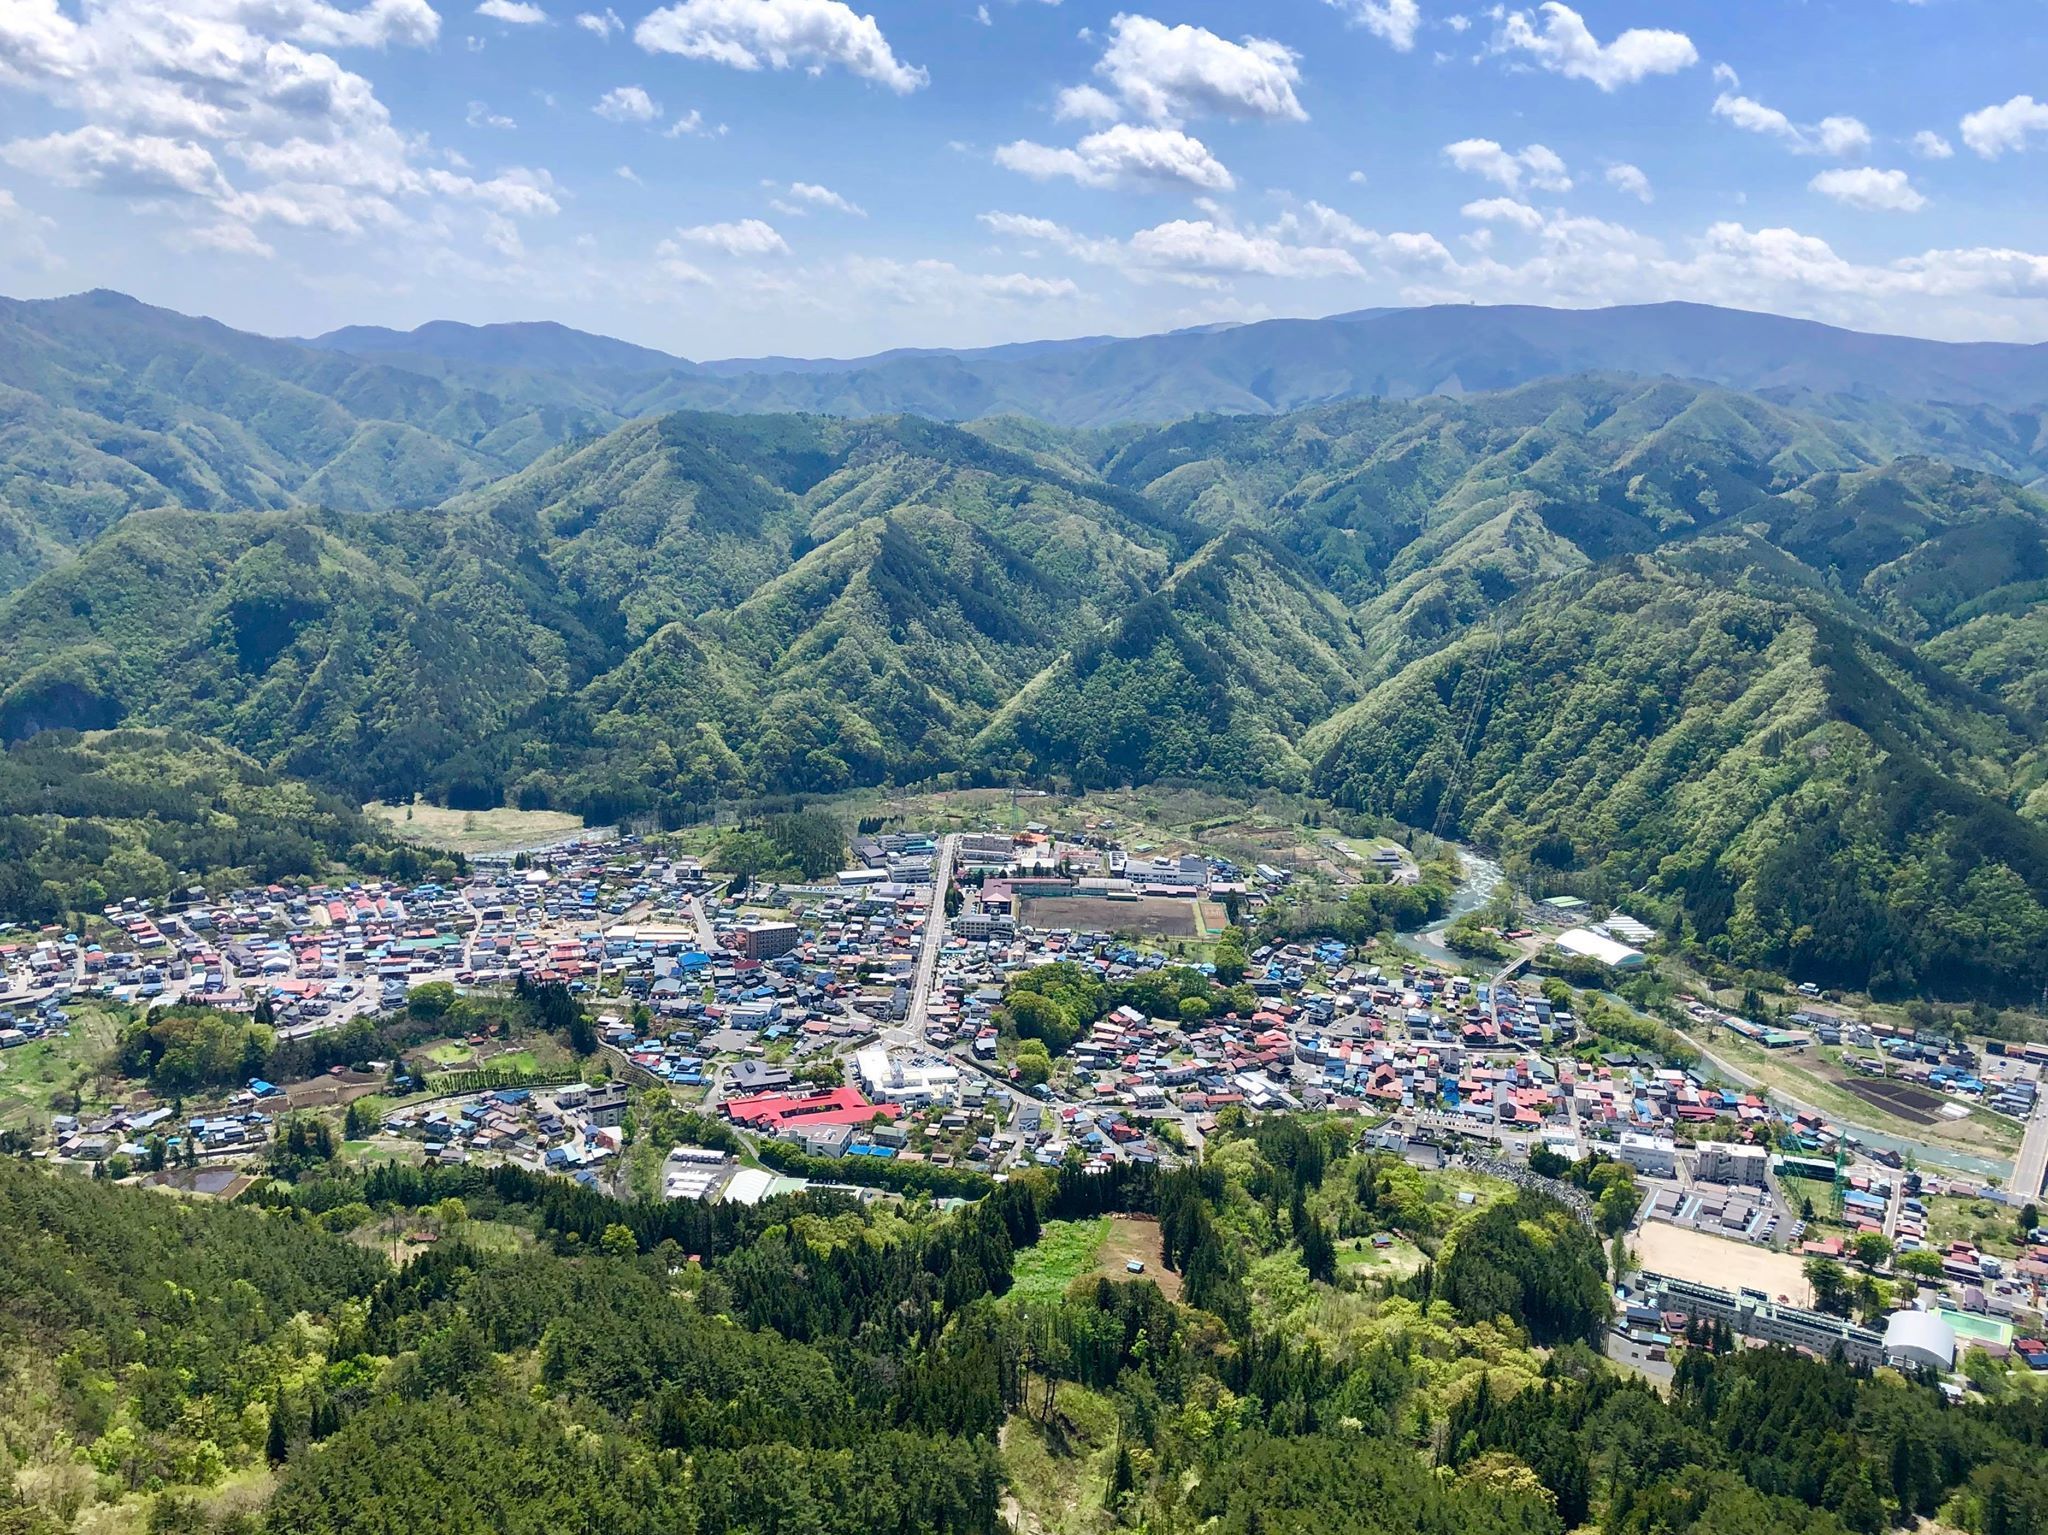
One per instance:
(1767, 656)
(1271, 365)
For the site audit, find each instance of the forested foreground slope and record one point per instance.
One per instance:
(814, 1366)
(1772, 671)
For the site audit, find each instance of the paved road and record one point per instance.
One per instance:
(707, 935)
(934, 938)
(2031, 1169)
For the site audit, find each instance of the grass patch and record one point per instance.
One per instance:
(33, 1076)
(1058, 1471)
(1066, 1250)
(474, 831)
(1991, 1226)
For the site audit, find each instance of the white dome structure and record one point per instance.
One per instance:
(1915, 1338)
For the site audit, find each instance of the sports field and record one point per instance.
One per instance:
(1152, 916)
(1727, 1265)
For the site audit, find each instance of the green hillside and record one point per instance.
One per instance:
(85, 820)
(1707, 623)
(1788, 787)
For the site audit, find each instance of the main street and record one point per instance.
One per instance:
(2031, 1168)
(934, 938)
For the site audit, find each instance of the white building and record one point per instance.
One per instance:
(1653, 1155)
(1744, 1166)
(900, 1077)
(1588, 944)
(1913, 1338)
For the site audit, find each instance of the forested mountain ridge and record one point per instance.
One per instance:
(114, 406)
(1708, 621)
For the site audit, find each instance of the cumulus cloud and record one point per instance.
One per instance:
(1556, 37)
(481, 116)
(514, 13)
(1503, 210)
(604, 23)
(1171, 74)
(2009, 125)
(1830, 136)
(1630, 180)
(1086, 104)
(103, 160)
(1125, 154)
(779, 34)
(1538, 165)
(1201, 245)
(1397, 21)
(224, 114)
(1311, 241)
(932, 284)
(1929, 145)
(805, 195)
(1872, 190)
(627, 104)
(743, 237)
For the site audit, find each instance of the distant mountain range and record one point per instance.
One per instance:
(1766, 658)
(1274, 365)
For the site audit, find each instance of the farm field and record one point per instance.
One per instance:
(1809, 1078)
(475, 831)
(1718, 1261)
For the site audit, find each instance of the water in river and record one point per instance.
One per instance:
(1482, 876)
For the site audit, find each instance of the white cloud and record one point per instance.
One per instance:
(1630, 180)
(627, 173)
(514, 13)
(690, 124)
(481, 116)
(1537, 163)
(1172, 74)
(941, 285)
(1562, 44)
(1395, 20)
(1503, 210)
(103, 160)
(24, 243)
(1200, 245)
(1872, 190)
(1122, 155)
(779, 34)
(808, 194)
(1929, 145)
(1356, 178)
(627, 104)
(744, 237)
(1086, 104)
(1842, 135)
(227, 237)
(604, 23)
(2009, 125)
(1830, 136)
(1311, 241)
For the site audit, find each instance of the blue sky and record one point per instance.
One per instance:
(732, 177)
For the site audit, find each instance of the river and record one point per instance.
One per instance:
(1482, 876)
